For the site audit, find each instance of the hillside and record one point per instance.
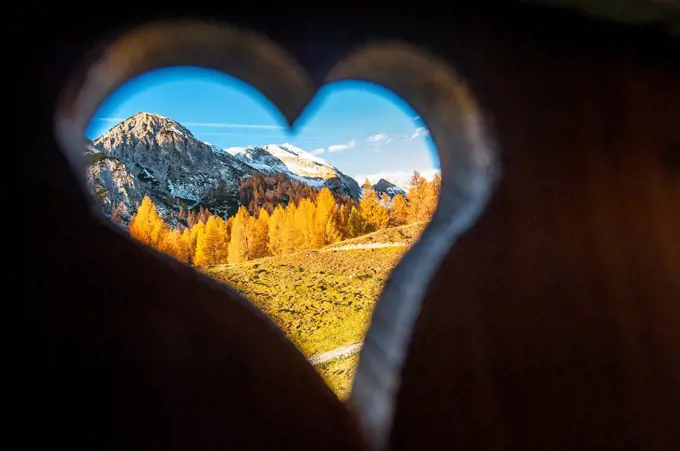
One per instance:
(322, 299)
(297, 164)
(339, 374)
(151, 155)
(402, 235)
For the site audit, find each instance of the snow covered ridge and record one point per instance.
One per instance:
(282, 151)
(298, 165)
(384, 186)
(148, 154)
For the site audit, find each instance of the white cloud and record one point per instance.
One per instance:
(340, 147)
(379, 139)
(317, 151)
(419, 131)
(400, 177)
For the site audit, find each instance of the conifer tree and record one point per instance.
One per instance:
(175, 246)
(159, 232)
(187, 245)
(342, 217)
(291, 240)
(203, 214)
(192, 219)
(422, 200)
(436, 185)
(258, 235)
(276, 222)
(398, 211)
(145, 225)
(304, 223)
(238, 244)
(326, 209)
(375, 215)
(355, 224)
(331, 232)
(228, 225)
(196, 230)
(211, 245)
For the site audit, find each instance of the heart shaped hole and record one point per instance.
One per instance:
(308, 236)
(467, 156)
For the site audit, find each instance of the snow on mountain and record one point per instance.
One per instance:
(165, 159)
(148, 154)
(384, 186)
(297, 164)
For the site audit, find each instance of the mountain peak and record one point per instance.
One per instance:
(387, 187)
(161, 156)
(146, 124)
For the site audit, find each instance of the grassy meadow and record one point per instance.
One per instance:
(322, 299)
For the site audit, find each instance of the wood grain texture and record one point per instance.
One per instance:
(553, 324)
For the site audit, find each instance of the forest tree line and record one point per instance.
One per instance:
(308, 221)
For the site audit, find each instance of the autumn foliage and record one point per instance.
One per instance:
(310, 220)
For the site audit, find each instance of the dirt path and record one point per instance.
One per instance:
(337, 353)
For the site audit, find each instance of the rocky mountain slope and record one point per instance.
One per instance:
(298, 165)
(384, 186)
(148, 154)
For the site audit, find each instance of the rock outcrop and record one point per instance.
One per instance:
(148, 154)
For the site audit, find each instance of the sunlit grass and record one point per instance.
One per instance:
(339, 374)
(322, 299)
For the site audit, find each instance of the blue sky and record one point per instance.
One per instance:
(362, 129)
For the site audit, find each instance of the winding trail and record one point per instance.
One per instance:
(337, 353)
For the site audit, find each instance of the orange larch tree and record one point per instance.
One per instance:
(238, 244)
(398, 211)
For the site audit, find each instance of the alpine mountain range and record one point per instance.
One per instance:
(151, 155)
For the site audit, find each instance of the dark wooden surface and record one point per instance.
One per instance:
(554, 323)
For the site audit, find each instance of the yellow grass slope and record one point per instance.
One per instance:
(322, 299)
